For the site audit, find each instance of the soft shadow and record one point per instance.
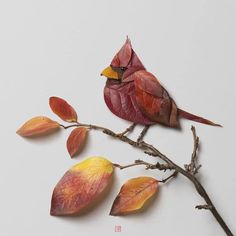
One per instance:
(178, 128)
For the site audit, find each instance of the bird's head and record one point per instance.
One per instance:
(124, 63)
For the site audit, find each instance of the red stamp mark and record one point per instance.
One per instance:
(117, 228)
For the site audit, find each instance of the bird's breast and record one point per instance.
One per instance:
(120, 99)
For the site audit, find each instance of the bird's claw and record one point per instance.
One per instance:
(129, 129)
(120, 135)
(142, 134)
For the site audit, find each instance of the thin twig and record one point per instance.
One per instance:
(193, 167)
(126, 166)
(146, 164)
(150, 166)
(205, 206)
(173, 175)
(69, 126)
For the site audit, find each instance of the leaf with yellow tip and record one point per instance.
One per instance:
(133, 195)
(63, 109)
(81, 185)
(37, 125)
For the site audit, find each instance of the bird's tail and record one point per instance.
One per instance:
(189, 116)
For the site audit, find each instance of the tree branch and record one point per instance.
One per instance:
(189, 171)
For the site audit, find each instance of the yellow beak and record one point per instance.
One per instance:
(110, 73)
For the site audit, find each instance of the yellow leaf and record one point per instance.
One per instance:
(133, 195)
(37, 125)
(81, 185)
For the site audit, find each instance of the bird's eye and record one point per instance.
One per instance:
(122, 68)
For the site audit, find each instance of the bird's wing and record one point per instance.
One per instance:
(153, 100)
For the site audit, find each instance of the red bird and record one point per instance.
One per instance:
(134, 94)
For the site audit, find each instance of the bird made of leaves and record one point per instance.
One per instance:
(134, 94)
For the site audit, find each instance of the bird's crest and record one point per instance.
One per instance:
(126, 57)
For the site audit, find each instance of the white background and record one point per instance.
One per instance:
(58, 48)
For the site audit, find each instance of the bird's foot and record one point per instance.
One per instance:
(129, 129)
(142, 134)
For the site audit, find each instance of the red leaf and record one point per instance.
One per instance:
(123, 57)
(154, 100)
(76, 140)
(64, 110)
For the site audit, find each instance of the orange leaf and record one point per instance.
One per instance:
(37, 125)
(81, 185)
(64, 110)
(133, 195)
(76, 140)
